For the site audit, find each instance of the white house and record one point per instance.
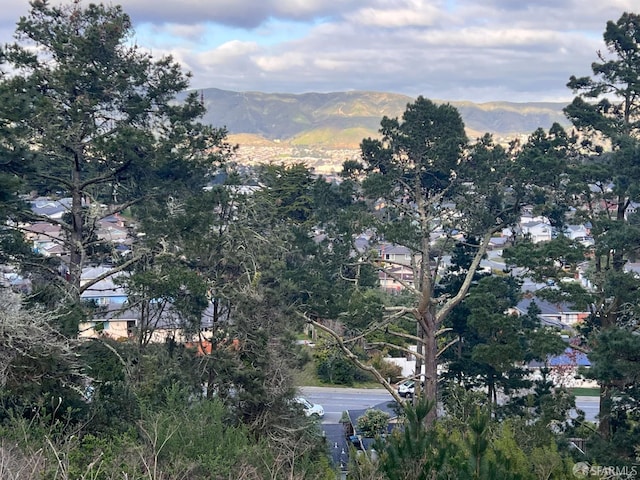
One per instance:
(538, 231)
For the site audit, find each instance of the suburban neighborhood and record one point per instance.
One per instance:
(208, 284)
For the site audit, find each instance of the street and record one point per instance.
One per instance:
(336, 400)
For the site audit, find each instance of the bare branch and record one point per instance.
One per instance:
(444, 349)
(353, 358)
(110, 273)
(29, 333)
(466, 284)
(398, 347)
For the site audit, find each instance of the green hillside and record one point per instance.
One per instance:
(343, 119)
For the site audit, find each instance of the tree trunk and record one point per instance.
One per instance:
(430, 364)
(417, 373)
(609, 320)
(76, 252)
(604, 415)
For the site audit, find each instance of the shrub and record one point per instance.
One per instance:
(388, 370)
(372, 423)
(333, 367)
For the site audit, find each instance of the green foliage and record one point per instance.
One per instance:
(88, 115)
(41, 373)
(547, 462)
(615, 364)
(177, 440)
(541, 164)
(164, 290)
(557, 258)
(333, 367)
(373, 423)
(492, 346)
(91, 116)
(415, 452)
(601, 170)
(461, 405)
(288, 191)
(614, 356)
(477, 442)
(387, 369)
(365, 307)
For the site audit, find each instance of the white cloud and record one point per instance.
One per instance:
(412, 14)
(445, 49)
(287, 62)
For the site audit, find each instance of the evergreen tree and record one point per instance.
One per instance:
(606, 113)
(422, 179)
(91, 117)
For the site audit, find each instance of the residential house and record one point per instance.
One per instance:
(396, 254)
(362, 242)
(355, 437)
(46, 207)
(114, 321)
(577, 232)
(564, 369)
(580, 233)
(558, 315)
(106, 291)
(113, 229)
(45, 238)
(633, 267)
(498, 243)
(395, 278)
(632, 208)
(537, 231)
(121, 321)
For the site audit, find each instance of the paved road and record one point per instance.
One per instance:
(336, 400)
(590, 406)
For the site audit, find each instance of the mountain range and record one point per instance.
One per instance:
(343, 119)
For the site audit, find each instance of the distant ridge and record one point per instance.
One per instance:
(343, 119)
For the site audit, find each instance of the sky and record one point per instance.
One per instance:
(452, 50)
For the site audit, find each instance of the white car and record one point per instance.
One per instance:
(407, 388)
(310, 408)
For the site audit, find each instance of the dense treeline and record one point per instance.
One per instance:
(243, 264)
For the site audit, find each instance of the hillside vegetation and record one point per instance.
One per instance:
(343, 119)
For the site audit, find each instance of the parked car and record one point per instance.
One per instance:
(310, 408)
(407, 388)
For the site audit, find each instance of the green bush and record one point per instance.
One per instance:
(333, 367)
(387, 370)
(372, 423)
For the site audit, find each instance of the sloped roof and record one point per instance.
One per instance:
(546, 308)
(498, 240)
(169, 318)
(392, 249)
(105, 287)
(50, 208)
(570, 357)
(390, 407)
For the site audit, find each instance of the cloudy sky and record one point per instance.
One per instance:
(478, 50)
